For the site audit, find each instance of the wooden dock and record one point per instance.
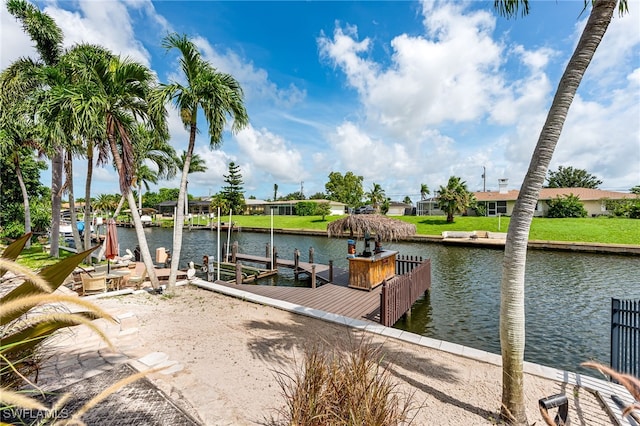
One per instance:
(334, 298)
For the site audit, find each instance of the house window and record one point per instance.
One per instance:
(501, 207)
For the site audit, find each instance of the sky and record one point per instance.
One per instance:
(401, 93)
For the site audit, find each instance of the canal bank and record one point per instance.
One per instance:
(493, 243)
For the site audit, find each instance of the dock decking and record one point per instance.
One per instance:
(334, 298)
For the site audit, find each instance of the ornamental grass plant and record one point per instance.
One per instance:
(348, 386)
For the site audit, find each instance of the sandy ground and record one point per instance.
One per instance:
(231, 350)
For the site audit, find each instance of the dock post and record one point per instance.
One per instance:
(311, 255)
(331, 271)
(296, 262)
(267, 254)
(313, 276)
(234, 251)
(238, 272)
(223, 256)
(275, 257)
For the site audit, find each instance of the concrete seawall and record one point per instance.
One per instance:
(578, 247)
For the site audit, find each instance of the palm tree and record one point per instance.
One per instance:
(376, 196)
(424, 191)
(219, 95)
(454, 198)
(117, 94)
(512, 326)
(275, 192)
(47, 37)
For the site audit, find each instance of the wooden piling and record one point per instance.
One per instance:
(311, 252)
(238, 272)
(313, 276)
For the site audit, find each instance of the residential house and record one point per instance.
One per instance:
(399, 209)
(288, 207)
(503, 201)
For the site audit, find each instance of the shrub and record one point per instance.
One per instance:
(566, 206)
(306, 208)
(343, 387)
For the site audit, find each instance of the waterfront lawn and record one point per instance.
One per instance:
(593, 230)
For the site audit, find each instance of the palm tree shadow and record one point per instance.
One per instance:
(277, 341)
(434, 222)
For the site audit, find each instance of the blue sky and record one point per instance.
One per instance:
(401, 93)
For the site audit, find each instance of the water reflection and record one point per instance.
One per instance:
(568, 295)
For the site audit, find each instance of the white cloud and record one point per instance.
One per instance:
(107, 23)
(254, 81)
(271, 154)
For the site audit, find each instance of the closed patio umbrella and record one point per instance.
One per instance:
(111, 242)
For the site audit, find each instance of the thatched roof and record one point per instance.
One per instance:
(383, 227)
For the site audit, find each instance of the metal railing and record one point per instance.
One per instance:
(625, 336)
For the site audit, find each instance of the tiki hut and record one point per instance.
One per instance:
(369, 269)
(384, 228)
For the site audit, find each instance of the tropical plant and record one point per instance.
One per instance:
(118, 94)
(635, 190)
(48, 38)
(275, 192)
(219, 95)
(454, 198)
(424, 191)
(407, 200)
(512, 326)
(376, 196)
(27, 317)
(568, 177)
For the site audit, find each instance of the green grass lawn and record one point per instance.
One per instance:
(593, 230)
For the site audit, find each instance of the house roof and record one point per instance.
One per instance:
(584, 194)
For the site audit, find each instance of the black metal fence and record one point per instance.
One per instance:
(625, 336)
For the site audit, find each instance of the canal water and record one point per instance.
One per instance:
(567, 304)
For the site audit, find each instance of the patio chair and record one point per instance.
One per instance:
(93, 284)
(137, 280)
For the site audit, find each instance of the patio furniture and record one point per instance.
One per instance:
(93, 284)
(137, 280)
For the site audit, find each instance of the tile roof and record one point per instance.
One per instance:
(584, 194)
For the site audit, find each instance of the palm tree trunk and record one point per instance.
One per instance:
(142, 242)
(178, 224)
(137, 223)
(77, 240)
(56, 201)
(87, 200)
(25, 199)
(512, 314)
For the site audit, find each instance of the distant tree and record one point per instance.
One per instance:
(293, 196)
(424, 191)
(345, 189)
(305, 208)
(635, 190)
(566, 206)
(407, 200)
(318, 196)
(376, 196)
(233, 192)
(568, 177)
(454, 198)
(219, 201)
(275, 192)
(384, 207)
(323, 209)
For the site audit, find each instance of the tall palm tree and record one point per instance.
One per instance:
(376, 196)
(117, 94)
(424, 191)
(512, 323)
(219, 95)
(47, 37)
(454, 198)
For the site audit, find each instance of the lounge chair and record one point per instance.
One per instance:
(93, 284)
(137, 280)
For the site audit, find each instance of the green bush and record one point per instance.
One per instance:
(566, 206)
(306, 208)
